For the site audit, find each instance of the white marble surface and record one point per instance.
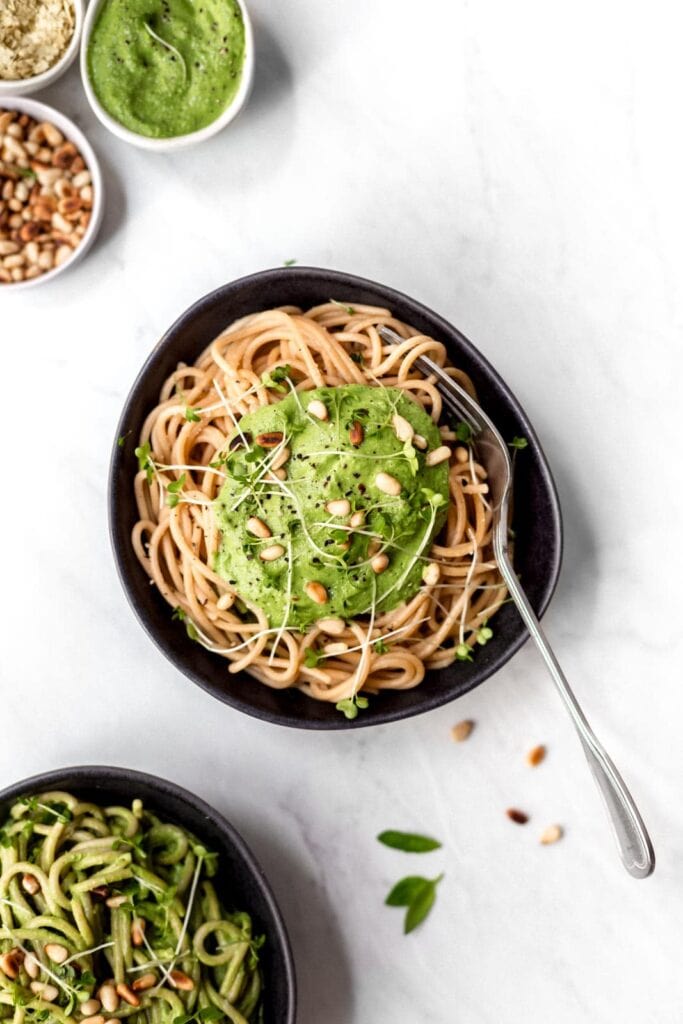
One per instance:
(518, 167)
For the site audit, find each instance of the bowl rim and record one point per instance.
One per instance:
(86, 775)
(175, 141)
(25, 86)
(69, 128)
(391, 296)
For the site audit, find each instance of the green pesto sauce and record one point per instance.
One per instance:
(315, 476)
(164, 68)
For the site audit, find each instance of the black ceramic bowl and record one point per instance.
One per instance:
(247, 890)
(538, 547)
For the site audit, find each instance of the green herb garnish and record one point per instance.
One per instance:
(418, 895)
(289, 263)
(313, 657)
(484, 634)
(352, 705)
(463, 432)
(191, 415)
(174, 489)
(463, 652)
(409, 842)
(518, 443)
(274, 378)
(144, 456)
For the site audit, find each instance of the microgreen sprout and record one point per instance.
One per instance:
(313, 657)
(518, 443)
(463, 432)
(289, 263)
(143, 454)
(274, 378)
(347, 309)
(174, 489)
(484, 634)
(191, 415)
(463, 652)
(175, 53)
(351, 705)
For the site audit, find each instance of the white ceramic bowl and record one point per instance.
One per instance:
(24, 86)
(41, 112)
(176, 141)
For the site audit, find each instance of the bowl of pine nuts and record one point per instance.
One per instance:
(51, 193)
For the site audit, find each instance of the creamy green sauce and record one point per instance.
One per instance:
(294, 510)
(164, 68)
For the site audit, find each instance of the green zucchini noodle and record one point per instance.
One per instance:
(110, 913)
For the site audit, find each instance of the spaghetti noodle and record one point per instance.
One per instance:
(184, 452)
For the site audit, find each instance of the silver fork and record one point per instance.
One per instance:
(632, 838)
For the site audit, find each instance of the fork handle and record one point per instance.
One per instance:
(629, 829)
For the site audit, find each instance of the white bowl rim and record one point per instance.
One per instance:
(43, 112)
(174, 141)
(24, 86)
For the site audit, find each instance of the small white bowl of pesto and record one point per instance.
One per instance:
(163, 74)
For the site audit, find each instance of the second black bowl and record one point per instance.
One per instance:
(247, 887)
(538, 545)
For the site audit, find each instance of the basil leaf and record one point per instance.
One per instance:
(406, 891)
(421, 905)
(409, 842)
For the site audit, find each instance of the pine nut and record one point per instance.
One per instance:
(373, 546)
(461, 731)
(333, 627)
(180, 980)
(258, 527)
(357, 519)
(99, 1019)
(338, 507)
(127, 994)
(52, 134)
(10, 963)
(356, 434)
(535, 756)
(280, 459)
(8, 248)
(420, 442)
(144, 982)
(270, 554)
(551, 835)
(116, 901)
(337, 648)
(63, 254)
(402, 428)
(270, 439)
(280, 474)
(431, 574)
(379, 563)
(109, 998)
(31, 966)
(44, 991)
(438, 456)
(81, 180)
(461, 454)
(519, 817)
(137, 931)
(316, 592)
(30, 884)
(318, 409)
(56, 952)
(89, 1007)
(388, 484)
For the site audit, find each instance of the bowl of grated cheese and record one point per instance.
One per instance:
(39, 40)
